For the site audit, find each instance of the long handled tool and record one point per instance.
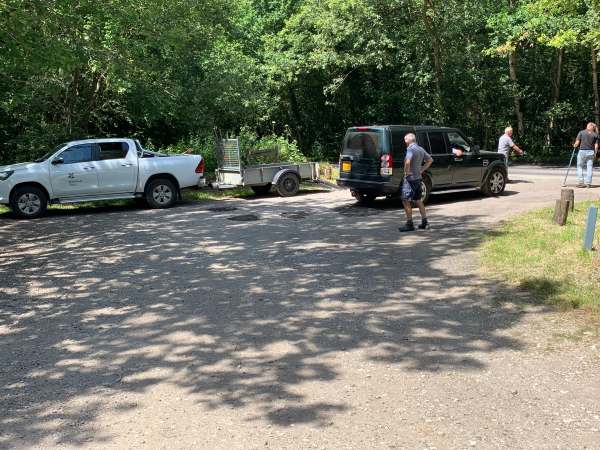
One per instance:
(569, 168)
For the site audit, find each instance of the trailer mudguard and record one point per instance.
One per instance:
(282, 172)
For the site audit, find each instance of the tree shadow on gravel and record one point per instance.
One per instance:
(234, 314)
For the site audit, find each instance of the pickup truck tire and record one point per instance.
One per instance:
(288, 185)
(28, 202)
(161, 193)
(262, 190)
(495, 182)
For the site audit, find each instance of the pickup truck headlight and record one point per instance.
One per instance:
(4, 175)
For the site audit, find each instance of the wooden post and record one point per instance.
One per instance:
(568, 195)
(561, 212)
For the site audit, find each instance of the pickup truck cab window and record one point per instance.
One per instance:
(113, 150)
(78, 154)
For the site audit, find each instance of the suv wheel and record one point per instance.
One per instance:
(161, 193)
(425, 188)
(495, 182)
(28, 202)
(362, 198)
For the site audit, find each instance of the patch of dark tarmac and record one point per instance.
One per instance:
(357, 211)
(299, 215)
(244, 218)
(223, 209)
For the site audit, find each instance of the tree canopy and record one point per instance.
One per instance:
(168, 71)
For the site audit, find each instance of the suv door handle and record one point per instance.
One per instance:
(89, 168)
(127, 165)
(458, 159)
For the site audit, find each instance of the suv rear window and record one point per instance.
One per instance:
(365, 144)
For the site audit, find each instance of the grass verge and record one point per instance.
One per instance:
(548, 261)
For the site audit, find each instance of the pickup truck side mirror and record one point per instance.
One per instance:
(57, 161)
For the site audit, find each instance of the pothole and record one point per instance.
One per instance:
(223, 209)
(244, 218)
(298, 215)
(357, 211)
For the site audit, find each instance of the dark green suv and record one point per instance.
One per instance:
(372, 162)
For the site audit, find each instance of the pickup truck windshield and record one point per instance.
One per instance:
(49, 154)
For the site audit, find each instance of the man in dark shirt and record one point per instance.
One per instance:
(416, 162)
(587, 141)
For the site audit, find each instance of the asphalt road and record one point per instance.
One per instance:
(285, 323)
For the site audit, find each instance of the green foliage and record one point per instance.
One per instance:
(167, 72)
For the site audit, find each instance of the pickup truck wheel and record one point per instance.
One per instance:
(495, 182)
(288, 185)
(262, 190)
(161, 193)
(28, 202)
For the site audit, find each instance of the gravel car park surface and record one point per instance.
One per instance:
(285, 323)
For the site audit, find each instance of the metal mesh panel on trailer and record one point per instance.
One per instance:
(231, 154)
(228, 152)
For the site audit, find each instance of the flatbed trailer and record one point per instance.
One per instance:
(284, 177)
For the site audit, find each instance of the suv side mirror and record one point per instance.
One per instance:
(476, 149)
(57, 161)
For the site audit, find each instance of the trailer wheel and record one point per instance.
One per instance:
(288, 185)
(262, 190)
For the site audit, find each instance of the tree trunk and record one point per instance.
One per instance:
(428, 14)
(555, 94)
(595, 86)
(512, 68)
(296, 116)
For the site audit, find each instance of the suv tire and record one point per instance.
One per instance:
(426, 186)
(495, 182)
(28, 202)
(161, 193)
(362, 198)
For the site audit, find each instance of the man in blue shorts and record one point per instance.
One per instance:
(416, 162)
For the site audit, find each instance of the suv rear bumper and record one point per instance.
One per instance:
(371, 187)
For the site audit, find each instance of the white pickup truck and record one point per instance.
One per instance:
(98, 169)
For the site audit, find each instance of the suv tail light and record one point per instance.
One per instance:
(200, 166)
(386, 165)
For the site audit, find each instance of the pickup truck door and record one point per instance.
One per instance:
(117, 167)
(72, 172)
